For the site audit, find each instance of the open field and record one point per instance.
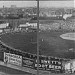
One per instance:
(21, 40)
(51, 44)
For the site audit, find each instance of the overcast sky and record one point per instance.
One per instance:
(34, 3)
(18, 3)
(57, 3)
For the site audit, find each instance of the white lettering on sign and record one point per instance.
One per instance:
(13, 59)
(48, 66)
(50, 62)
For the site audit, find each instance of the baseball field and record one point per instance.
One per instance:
(50, 43)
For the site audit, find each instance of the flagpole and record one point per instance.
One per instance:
(37, 37)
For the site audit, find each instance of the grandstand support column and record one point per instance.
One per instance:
(37, 37)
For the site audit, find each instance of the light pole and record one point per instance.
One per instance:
(37, 37)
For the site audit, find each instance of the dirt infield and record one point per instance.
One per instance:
(68, 36)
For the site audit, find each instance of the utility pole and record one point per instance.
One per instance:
(37, 37)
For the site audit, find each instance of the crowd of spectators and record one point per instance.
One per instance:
(60, 25)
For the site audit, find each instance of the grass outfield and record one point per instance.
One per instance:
(50, 43)
(25, 41)
(53, 45)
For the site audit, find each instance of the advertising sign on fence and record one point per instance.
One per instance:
(26, 62)
(48, 64)
(13, 59)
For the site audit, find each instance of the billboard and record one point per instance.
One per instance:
(49, 64)
(26, 62)
(45, 63)
(13, 59)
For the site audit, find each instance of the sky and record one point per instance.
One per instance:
(18, 3)
(42, 3)
(57, 3)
